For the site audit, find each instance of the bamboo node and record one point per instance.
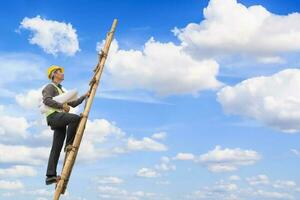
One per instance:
(82, 115)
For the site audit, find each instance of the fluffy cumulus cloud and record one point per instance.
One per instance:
(271, 100)
(108, 192)
(285, 184)
(148, 173)
(274, 195)
(263, 180)
(263, 188)
(13, 128)
(19, 154)
(222, 160)
(162, 68)
(220, 190)
(146, 144)
(52, 36)
(107, 189)
(103, 139)
(11, 185)
(165, 165)
(185, 156)
(159, 135)
(31, 99)
(259, 180)
(234, 178)
(18, 171)
(98, 130)
(41, 193)
(37, 193)
(230, 28)
(109, 180)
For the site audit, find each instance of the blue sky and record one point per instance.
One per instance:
(198, 100)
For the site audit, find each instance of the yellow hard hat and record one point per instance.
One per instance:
(53, 68)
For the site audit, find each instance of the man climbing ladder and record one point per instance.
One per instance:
(71, 155)
(59, 119)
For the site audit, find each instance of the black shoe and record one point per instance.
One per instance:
(51, 180)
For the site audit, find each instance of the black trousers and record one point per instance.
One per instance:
(62, 123)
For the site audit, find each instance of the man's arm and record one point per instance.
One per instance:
(48, 94)
(77, 102)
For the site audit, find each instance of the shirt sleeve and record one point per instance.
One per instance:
(76, 102)
(48, 94)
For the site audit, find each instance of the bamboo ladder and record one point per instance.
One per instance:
(71, 155)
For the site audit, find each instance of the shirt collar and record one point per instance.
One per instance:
(58, 85)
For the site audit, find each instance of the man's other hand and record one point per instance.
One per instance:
(87, 94)
(66, 108)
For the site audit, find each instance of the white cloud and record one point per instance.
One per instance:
(41, 198)
(147, 173)
(38, 192)
(222, 160)
(263, 180)
(162, 68)
(23, 155)
(98, 130)
(270, 60)
(11, 185)
(285, 184)
(108, 180)
(285, 190)
(102, 139)
(185, 156)
(230, 28)
(220, 190)
(163, 182)
(97, 133)
(18, 171)
(52, 36)
(146, 144)
(272, 100)
(258, 180)
(296, 152)
(13, 128)
(31, 99)
(226, 186)
(108, 192)
(273, 195)
(234, 178)
(159, 136)
(165, 165)
(45, 135)
(111, 190)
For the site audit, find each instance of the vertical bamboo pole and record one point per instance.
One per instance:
(70, 159)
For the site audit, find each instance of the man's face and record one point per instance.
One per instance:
(59, 75)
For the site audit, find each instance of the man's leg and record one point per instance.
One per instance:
(58, 123)
(67, 119)
(57, 144)
(71, 131)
